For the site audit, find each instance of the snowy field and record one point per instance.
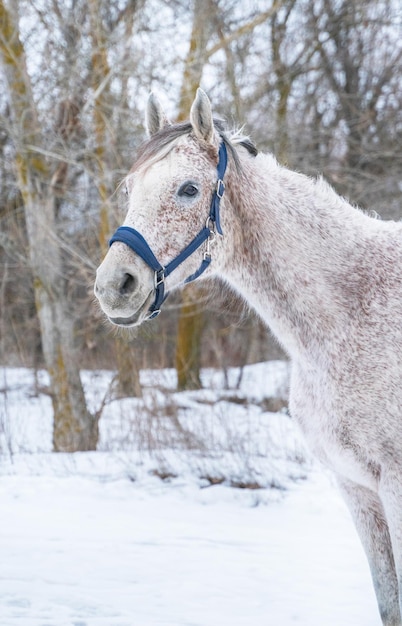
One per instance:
(153, 528)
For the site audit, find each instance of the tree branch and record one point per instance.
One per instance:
(246, 28)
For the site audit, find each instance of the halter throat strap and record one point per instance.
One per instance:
(134, 240)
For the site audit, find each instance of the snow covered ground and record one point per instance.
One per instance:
(99, 539)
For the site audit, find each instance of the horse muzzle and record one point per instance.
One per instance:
(123, 294)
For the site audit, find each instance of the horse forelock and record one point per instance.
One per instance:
(159, 145)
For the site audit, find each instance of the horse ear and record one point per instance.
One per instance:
(201, 117)
(156, 118)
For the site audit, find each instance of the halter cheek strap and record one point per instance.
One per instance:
(134, 240)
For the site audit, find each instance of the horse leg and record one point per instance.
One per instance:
(370, 520)
(391, 496)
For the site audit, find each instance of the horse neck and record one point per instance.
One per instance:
(293, 245)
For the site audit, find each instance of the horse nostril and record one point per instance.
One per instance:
(128, 284)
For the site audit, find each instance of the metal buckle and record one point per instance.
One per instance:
(159, 277)
(211, 239)
(220, 188)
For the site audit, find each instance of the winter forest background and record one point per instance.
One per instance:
(317, 82)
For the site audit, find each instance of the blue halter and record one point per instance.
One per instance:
(134, 240)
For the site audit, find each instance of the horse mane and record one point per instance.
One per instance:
(162, 142)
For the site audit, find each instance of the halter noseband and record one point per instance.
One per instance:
(134, 240)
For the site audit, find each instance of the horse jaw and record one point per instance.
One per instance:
(124, 287)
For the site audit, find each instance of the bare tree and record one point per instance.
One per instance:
(207, 21)
(105, 155)
(358, 69)
(74, 427)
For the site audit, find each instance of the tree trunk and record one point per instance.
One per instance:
(128, 382)
(192, 316)
(284, 78)
(74, 427)
(127, 364)
(188, 347)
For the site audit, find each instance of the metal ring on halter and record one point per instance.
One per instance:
(211, 225)
(220, 188)
(154, 314)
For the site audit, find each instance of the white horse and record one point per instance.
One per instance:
(323, 275)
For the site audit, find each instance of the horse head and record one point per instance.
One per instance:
(174, 190)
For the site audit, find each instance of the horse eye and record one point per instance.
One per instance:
(188, 189)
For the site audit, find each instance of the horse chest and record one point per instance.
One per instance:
(330, 436)
(346, 459)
